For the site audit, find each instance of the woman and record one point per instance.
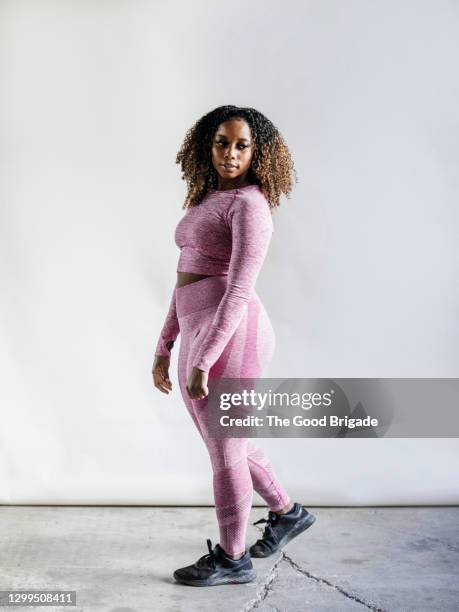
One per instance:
(236, 165)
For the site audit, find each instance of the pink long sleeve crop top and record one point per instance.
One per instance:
(227, 234)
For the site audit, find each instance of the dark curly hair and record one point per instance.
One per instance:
(271, 168)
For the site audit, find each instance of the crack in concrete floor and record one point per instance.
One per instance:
(265, 589)
(299, 569)
(269, 584)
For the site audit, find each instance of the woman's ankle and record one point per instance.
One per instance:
(234, 557)
(285, 509)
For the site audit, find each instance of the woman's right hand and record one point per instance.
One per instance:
(160, 373)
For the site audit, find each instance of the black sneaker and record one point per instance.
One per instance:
(280, 529)
(216, 568)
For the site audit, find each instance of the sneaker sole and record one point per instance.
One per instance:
(301, 526)
(240, 578)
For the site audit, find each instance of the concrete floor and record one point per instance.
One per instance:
(121, 559)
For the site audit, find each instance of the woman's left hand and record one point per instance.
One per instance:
(196, 384)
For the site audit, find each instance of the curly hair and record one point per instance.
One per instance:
(271, 167)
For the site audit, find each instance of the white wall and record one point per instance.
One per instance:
(360, 280)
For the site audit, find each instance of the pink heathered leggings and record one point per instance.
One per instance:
(238, 465)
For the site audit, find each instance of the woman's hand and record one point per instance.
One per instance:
(160, 373)
(196, 384)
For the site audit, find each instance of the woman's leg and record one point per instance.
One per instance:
(255, 343)
(265, 481)
(238, 465)
(232, 481)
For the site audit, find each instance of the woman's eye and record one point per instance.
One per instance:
(224, 143)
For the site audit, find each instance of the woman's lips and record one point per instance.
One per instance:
(229, 167)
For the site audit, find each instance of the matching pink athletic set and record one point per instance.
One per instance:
(225, 331)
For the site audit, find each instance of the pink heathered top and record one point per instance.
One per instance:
(227, 234)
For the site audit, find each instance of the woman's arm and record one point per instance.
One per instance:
(251, 227)
(169, 331)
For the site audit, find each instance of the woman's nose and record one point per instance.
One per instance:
(230, 153)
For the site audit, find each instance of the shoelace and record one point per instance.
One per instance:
(268, 532)
(210, 559)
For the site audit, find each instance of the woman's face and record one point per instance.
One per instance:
(232, 151)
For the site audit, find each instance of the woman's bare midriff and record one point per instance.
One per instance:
(185, 278)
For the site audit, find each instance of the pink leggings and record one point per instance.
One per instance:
(238, 465)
